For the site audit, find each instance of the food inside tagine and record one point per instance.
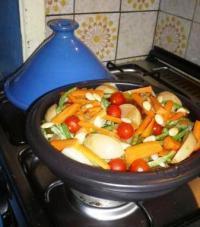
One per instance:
(135, 130)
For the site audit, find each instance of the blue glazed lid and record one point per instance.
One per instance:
(60, 60)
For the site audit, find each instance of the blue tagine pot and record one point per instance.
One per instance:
(60, 60)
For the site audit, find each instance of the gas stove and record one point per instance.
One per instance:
(34, 196)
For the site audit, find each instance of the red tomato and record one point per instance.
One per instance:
(117, 164)
(117, 98)
(139, 165)
(125, 130)
(114, 111)
(72, 123)
(157, 129)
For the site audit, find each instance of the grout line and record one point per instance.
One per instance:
(119, 21)
(109, 12)
(74, 10)
(138, 56)
(191, 26)
(172, 14)
(154, 35)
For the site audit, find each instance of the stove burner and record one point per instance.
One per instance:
(101, 209)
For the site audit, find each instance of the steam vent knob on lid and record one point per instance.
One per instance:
(60, 60)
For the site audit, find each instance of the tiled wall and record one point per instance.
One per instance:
(114, 29)
(178, 28)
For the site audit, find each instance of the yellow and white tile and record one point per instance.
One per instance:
(183, 8)
(139, 5)
(197, 12)
(172, 33)
(193, 50)
(99, 33)
(58, 7)
(136, 34)
(91, 6)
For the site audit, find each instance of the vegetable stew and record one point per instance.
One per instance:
(135, 130)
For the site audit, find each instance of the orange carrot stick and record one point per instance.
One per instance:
(148, 130)
(113, 119)
(143, 125)
(82, 92)
(156, 105)
(147, 89)
(142, 150)
(104, 131)
(177, 116)
(168, 106)
(67, 111)
(61, 144)
(171, 144)
(139, 101)
(196, 130)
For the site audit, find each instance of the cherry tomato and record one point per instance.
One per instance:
(117, 164)
(157, 129)
(125, 130)
(117, 98)
(72, 123)
(114, 111)
(139, 165)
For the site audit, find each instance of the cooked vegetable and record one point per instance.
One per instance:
(149, 129)
(141, 90)
(166, 95)
(125, 130)
(114, 110)
(131, 112)
(142, 150)
(139, 165)
(51, 113)
(164, 159)
(72, 123)
(133, 130)
(68, 111)
(92, 156)
(171, 144)
(117, 164)
(107, 88)
(117, 98)
(196, 130)
(143, 125)
(104, 146)
(62, 144)
(186, 149)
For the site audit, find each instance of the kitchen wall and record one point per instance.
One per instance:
(178, 28)
(119, 30)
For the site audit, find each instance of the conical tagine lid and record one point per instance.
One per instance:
(62, 59)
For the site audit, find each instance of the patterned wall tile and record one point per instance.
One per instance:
(193, 51)
(197, 12)
(87, 6)
(59, 6)
(172, 33)
(99, 33)
(183, 8)
(48, 30)
(139, 5)
(136, 33)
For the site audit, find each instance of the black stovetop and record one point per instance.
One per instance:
(46, 201)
